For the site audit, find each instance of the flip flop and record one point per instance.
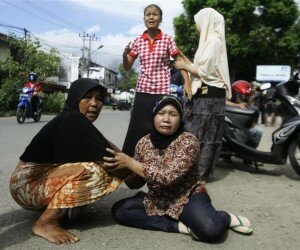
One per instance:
(241, 228)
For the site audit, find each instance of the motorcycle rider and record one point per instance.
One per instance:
(241, 92)
(37, 87)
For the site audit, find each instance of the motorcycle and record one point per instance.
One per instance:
(24, 108)
(286, 139)
(176, 90)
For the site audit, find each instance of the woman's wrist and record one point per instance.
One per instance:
(136, 167)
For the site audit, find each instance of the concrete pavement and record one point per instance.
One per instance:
(270, 198)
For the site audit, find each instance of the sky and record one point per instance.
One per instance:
(62, 23)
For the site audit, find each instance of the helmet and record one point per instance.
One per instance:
(32, 77)
(241, 89)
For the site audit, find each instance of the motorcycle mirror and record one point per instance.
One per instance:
(265, 86)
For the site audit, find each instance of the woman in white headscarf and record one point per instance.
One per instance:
(205, 111)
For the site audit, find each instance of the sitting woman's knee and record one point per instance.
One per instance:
(125, 210)
(117, 210)
(210, 232)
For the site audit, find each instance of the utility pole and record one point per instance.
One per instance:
(89, 38)
(25, 32)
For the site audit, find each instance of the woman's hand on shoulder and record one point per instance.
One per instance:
(184, 57)
(119, 160)
(180, 64)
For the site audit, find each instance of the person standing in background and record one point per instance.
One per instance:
(154, 49)
(205, 111)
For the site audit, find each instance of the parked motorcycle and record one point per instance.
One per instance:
(176, 90)
(24, 108)
(286, 139)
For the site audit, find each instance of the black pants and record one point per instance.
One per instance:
(141, 120)
(198, 214)
(34, 103)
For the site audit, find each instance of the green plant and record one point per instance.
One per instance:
(258, 32)
(9, 94)
(54, 103)
(27, 55)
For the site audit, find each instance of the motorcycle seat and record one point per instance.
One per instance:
(249, 111)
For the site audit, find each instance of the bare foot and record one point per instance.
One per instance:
(53, 233)
(47, 226)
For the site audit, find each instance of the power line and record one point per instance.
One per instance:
(44, 42)
(52, 15)
(15, 27)
(89, 38)
(54, 42)
(108, 53)
(27, 31)
(11, 26)
(32, 14)
(14, 31)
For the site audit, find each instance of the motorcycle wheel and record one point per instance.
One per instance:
(37, 117)
(294, 155)
(21, 114)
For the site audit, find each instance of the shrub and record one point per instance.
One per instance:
(50, 87)
(54, 103)
(9, 94)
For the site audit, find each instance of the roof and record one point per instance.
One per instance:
(93, 64)
(3, 37)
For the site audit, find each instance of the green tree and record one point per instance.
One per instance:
(257, 32)
(27, 56)
(127, 79)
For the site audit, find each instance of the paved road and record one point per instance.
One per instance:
(269, 197)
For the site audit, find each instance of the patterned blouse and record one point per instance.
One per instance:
(171, 174)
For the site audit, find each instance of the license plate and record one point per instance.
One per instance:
(24, 95)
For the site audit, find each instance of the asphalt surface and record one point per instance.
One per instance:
(270, 198)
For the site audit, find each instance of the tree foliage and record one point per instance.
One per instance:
(127, 79)
(258, 32)
(27, 56)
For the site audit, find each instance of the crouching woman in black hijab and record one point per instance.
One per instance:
(177, 200)
(62, 169)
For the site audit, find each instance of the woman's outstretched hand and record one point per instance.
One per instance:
(127, 49)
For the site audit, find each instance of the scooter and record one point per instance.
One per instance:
(176, 90)
(286, 139)
(24, 108)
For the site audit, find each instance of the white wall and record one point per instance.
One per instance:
(71, 66)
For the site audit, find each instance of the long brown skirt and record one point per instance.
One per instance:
(204, 117)
(37, 186)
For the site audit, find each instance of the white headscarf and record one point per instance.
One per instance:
(211, 24)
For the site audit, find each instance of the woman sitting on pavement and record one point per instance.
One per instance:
(177, 201)
(62, 169)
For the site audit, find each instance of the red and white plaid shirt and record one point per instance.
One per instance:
(154, 77)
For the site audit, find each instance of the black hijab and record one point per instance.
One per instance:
(70, 136)
(158, 140)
